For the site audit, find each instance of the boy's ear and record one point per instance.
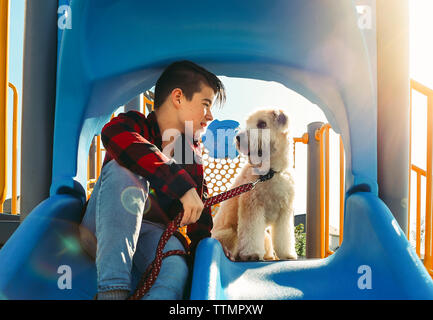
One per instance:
(176, 97)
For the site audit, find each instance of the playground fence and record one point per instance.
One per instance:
(427, 173)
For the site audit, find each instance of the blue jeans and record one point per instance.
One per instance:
(123, 244)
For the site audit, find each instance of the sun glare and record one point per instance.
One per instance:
(421, 44)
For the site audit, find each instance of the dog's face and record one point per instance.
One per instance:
(266, 134)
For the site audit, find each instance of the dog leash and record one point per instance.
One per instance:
(152, 271)
(237, 191)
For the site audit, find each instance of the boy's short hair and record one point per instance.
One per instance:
(188, 77)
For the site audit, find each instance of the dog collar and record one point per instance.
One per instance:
(267, 176)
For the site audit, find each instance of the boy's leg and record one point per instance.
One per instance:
(172, 278)
(114, 215)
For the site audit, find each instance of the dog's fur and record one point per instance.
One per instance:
(259, 224)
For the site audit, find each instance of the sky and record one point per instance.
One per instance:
(246, 94)
(421, 41)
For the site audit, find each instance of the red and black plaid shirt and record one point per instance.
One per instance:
(134, 141)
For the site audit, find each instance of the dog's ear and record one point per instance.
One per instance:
(280, 117)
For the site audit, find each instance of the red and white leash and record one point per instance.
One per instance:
(152, 271)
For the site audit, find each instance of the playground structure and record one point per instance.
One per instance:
(327, 62)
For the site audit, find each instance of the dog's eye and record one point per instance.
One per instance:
(261, 124)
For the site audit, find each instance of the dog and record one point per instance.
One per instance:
(259, 224)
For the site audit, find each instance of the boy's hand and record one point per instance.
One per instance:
(192, 207)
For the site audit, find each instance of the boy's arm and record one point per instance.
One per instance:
(124, 139)
(202, 228)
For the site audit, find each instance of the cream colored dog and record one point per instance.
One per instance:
(259, 224)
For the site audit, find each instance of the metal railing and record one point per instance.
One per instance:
(14, 198)
(4, 152)
(322, 135)
(4, 65)
(418, 87)
(92, 177)
(4, 55)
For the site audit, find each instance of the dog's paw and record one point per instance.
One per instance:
(289, 256)
(270, 256)
(252, 256)
(228, 254)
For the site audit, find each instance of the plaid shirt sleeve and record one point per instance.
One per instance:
(125, 139)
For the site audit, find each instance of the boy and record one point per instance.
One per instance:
(123, 216)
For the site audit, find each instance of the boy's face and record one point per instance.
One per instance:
(197, 110)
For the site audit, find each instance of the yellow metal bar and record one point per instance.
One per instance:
(145, 102)
(319, 136)
(98, 151)
(419, 173)
(429, 194)
(304, 140)
(421, 88)
(342, 193)
(326, 133)
(14, 198)
(4, 64)
(419, 170)
(418, 214)
(410, 162)
(322, 198)
(88, 176)
(98, 156)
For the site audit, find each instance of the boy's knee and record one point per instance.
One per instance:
(123, 177)
(120, 186)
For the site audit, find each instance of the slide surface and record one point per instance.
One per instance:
(43, 259)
